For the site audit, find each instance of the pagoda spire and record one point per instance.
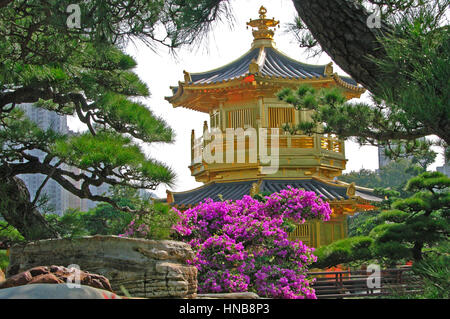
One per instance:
(263, 27)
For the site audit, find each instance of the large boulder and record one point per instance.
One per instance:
(59, 291)
(145, 268)
(2, 276)
(56, 275)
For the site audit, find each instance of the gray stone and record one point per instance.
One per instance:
(145, 268)
(55, 291)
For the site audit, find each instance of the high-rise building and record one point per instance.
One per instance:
(445, 169)
(59, 198)
(383, 160)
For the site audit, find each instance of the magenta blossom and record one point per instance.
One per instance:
(244, 245)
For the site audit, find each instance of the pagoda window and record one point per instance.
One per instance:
(215, 119)
(280, 115)
(243, 118)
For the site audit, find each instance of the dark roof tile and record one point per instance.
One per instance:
(274, 64)
(236, 190)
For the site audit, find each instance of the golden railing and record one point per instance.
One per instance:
(331, 144)
(279, 115)
(284, 142)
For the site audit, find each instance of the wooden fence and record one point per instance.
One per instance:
(358, 283)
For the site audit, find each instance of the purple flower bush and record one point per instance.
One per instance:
(136, 228)
(244, 246)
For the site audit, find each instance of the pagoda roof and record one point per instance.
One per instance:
(330, 191)
(271, 63)
(262, 66)
(264, 63)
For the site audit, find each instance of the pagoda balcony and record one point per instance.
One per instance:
(330, 145)
(294, 151)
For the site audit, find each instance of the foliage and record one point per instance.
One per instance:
(244, 245)
(388, 10)
(371, 124)
(436, 273)
(70, 224)
(362, 223)
(154, 219)
(394, 175)
(103, 219)
(389, 183)
(364, 178)
(418, 221)
(155, 223)
(4, 260)
(409, 229)
(343, 251)
(94, 82)
(411, 93)
(416, 81)
(9, 233)
(82, 71)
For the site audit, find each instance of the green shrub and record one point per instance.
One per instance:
(362, 223)
(4, 260)
(155, 223)
(395, 216)
(9, 233)
(103, 219)
(434, 270)
(344, 251)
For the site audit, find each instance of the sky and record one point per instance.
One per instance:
(160, 69)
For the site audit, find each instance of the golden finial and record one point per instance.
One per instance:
(262, 12)
(187, 77)
(329, 69)
(262, 24)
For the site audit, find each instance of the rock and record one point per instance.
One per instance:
(56, 275)
(145, 268)
(45, 279)
(60, 291)
(2, 276)
(232, 295)
(18, 280)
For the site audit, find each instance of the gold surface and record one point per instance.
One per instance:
(263, 25)
(251, 100)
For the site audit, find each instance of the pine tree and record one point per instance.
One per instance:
(403, 61)
(411, 228)
(69, 59)
(417, 222)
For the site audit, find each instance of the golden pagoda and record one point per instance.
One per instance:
(240, 97)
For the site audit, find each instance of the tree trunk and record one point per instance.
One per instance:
(18, 211)
(341, 28)
(417, 251)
